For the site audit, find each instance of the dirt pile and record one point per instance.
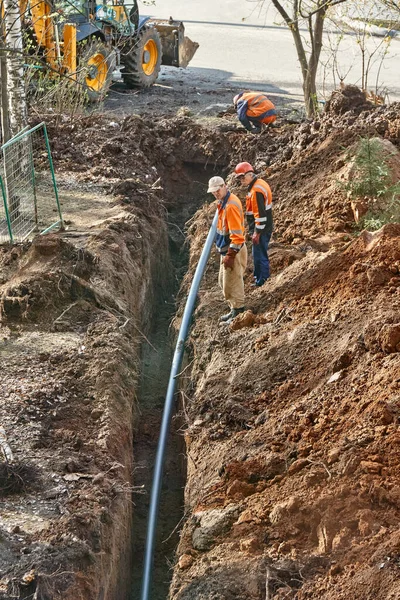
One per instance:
(293, 411)
(305, 163)
(293, 434)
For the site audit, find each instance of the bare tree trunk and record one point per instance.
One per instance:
(310, 87)
(5, 117)
(15, 69)
(309, 67)
(4, 106)
(293, 25)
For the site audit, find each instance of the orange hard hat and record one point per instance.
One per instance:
(243, 168)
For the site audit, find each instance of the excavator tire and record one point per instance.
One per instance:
(96, 66)
(142, 58)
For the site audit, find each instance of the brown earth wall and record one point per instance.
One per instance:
(72, 316)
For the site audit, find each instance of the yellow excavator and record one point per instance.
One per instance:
(88, 41)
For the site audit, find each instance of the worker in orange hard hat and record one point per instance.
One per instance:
(259, 219)
(254, 109)
(230, 243)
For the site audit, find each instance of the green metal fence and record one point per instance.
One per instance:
(28, 186)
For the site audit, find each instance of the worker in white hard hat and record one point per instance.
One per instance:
(230, 243)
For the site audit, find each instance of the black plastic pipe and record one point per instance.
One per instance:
(168, 408)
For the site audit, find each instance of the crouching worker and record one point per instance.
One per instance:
(230, 244)
(254, 109)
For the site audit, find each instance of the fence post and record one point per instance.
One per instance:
(33, 184)
(3, 192)
(53, 177)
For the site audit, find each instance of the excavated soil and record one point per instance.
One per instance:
(290, 415)
(293, 411)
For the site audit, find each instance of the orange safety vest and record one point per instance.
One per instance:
(258, 105)
(230, 226)
(252, 209)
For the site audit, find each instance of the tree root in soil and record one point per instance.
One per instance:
(17, 477)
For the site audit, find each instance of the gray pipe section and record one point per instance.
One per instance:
(168, 407)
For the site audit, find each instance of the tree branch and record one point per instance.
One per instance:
(283, 12)
(321, 7)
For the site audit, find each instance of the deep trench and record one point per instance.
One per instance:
(157, 353)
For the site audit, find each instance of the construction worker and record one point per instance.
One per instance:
(259, 219)
(230, 244)
(254, 109)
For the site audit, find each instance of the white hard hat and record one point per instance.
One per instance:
(235, 99)
(215, 183)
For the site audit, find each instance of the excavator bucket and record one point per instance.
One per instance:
(177, 49)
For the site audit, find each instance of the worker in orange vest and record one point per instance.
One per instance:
(254, 109)
(259, 219)
(230, 243)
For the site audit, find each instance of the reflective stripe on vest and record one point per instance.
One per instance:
(259, 187)
(269, 113)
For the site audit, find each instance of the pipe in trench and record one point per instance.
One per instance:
(168, 407)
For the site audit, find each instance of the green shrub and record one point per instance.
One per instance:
(371, 179)
(371, 175)
(375, 219)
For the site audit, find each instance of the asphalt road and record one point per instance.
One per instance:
(245, 46)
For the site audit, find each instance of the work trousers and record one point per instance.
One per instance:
(261, 260)
(231, 280)
(257, 124)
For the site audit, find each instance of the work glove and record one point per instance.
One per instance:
(255, 238)
(229, 258)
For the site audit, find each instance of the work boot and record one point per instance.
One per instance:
(226, 317)
(234, 313)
